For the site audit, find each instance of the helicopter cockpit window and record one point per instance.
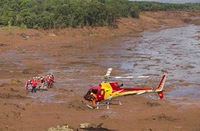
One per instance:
(87, 95)
(94, 91)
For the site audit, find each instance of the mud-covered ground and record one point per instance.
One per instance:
(79, 57)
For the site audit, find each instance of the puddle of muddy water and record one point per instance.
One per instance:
(11, 58)
(185, 95)
(173, 51)
(45, 97)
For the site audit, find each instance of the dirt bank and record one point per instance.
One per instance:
(73, 55)
(147, 21)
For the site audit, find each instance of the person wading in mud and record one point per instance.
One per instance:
(33, 84)
(28, 83)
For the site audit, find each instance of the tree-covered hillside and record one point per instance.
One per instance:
(73, 13)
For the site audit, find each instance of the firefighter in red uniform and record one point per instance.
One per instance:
(47, 79)
(33, 84)
(27, 85)
(50, 81)
(52, 77)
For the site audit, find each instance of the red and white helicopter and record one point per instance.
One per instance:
(106, 91)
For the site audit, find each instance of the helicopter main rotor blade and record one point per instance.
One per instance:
(130, 77)
(109, 71)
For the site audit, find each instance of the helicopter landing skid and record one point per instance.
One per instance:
(89, 106)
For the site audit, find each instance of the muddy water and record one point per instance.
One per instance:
(173, 51)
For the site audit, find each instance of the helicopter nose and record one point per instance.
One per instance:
(86, 97)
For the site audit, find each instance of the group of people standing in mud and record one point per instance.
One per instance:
(39, 83)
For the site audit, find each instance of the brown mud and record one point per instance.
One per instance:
(78, 58)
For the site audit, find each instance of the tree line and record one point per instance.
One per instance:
(48, 14)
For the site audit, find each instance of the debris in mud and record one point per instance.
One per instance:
(187, 20)
(16, 106)
(14, 90)
(10, 34)
(20, 49)
(15, 114)
(11, 114)
(190, 67)
(15, 82)
(1, 44)
(65, 90)
(163, 117)
(11, 111)
(67, 46)
(3, 84)
(12, 82)
(104, 117)
(13, 96)
(24, 35)
(85, 125)
(196, 22)
(60, 128)
(93, 127)
(29, 71)
(152, 104)
(78, 105)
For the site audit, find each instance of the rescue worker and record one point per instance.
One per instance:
(43, 83)
(93, 99)
(27, 85)
(52, 77)
(50, 81)
(42, 79)
(37, 79)
(33, 84)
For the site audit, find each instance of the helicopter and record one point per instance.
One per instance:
(108, 90)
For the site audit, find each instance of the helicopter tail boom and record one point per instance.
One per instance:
(159, 90)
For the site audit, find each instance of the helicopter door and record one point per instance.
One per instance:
(102, 93)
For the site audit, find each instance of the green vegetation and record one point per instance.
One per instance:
(49, 14)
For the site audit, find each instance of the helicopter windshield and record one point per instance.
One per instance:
(88, 94)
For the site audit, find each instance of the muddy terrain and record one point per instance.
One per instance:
(157, 43)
